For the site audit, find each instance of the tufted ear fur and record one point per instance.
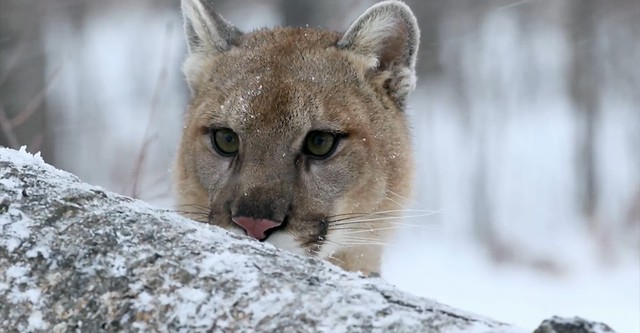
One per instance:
(208, 34)
(387, 34)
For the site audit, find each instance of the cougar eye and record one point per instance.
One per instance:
(319, 144)
(225, 141)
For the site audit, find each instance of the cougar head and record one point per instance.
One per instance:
(298, 136)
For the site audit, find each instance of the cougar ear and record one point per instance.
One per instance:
(388, 35)
(208, 34)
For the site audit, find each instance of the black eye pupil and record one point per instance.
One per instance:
(318, 140)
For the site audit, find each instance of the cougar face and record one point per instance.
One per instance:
(298, 136)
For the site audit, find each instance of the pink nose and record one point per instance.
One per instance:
(255, 228)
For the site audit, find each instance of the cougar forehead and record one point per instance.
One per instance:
(289, 77)
(274, 92)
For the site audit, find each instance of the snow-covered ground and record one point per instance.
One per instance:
(458, 273)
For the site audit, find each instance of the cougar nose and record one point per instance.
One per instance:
(255, 228)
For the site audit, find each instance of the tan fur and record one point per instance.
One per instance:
(272, 87)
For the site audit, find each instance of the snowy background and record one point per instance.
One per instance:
(526, 118)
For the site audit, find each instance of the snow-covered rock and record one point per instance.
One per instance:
(75, 257)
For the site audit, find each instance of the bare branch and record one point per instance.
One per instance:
(38, 99)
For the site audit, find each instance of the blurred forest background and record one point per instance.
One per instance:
(526, 118)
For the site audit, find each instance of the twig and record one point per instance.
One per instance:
(515, 4)
(11, 63)
(37, 100)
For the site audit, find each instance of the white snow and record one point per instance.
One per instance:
(118, 265)
(8, 183)
(458, 273)
(35, 322)
(15, 228)
(144, 301)
(21, 287)
(39, 250)
(17, 272)
(30, 295)
(22, 156)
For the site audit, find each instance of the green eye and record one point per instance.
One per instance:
(320, 144)
(225, 141)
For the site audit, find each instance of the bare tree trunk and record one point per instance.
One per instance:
(584, 92)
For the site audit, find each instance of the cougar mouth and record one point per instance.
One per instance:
(281, 227)
(317, 239)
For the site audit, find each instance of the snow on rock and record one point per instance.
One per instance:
(74, 257)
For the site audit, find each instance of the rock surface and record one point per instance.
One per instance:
(571, 325)
(75, 257)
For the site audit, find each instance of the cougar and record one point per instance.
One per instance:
(299, 136)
